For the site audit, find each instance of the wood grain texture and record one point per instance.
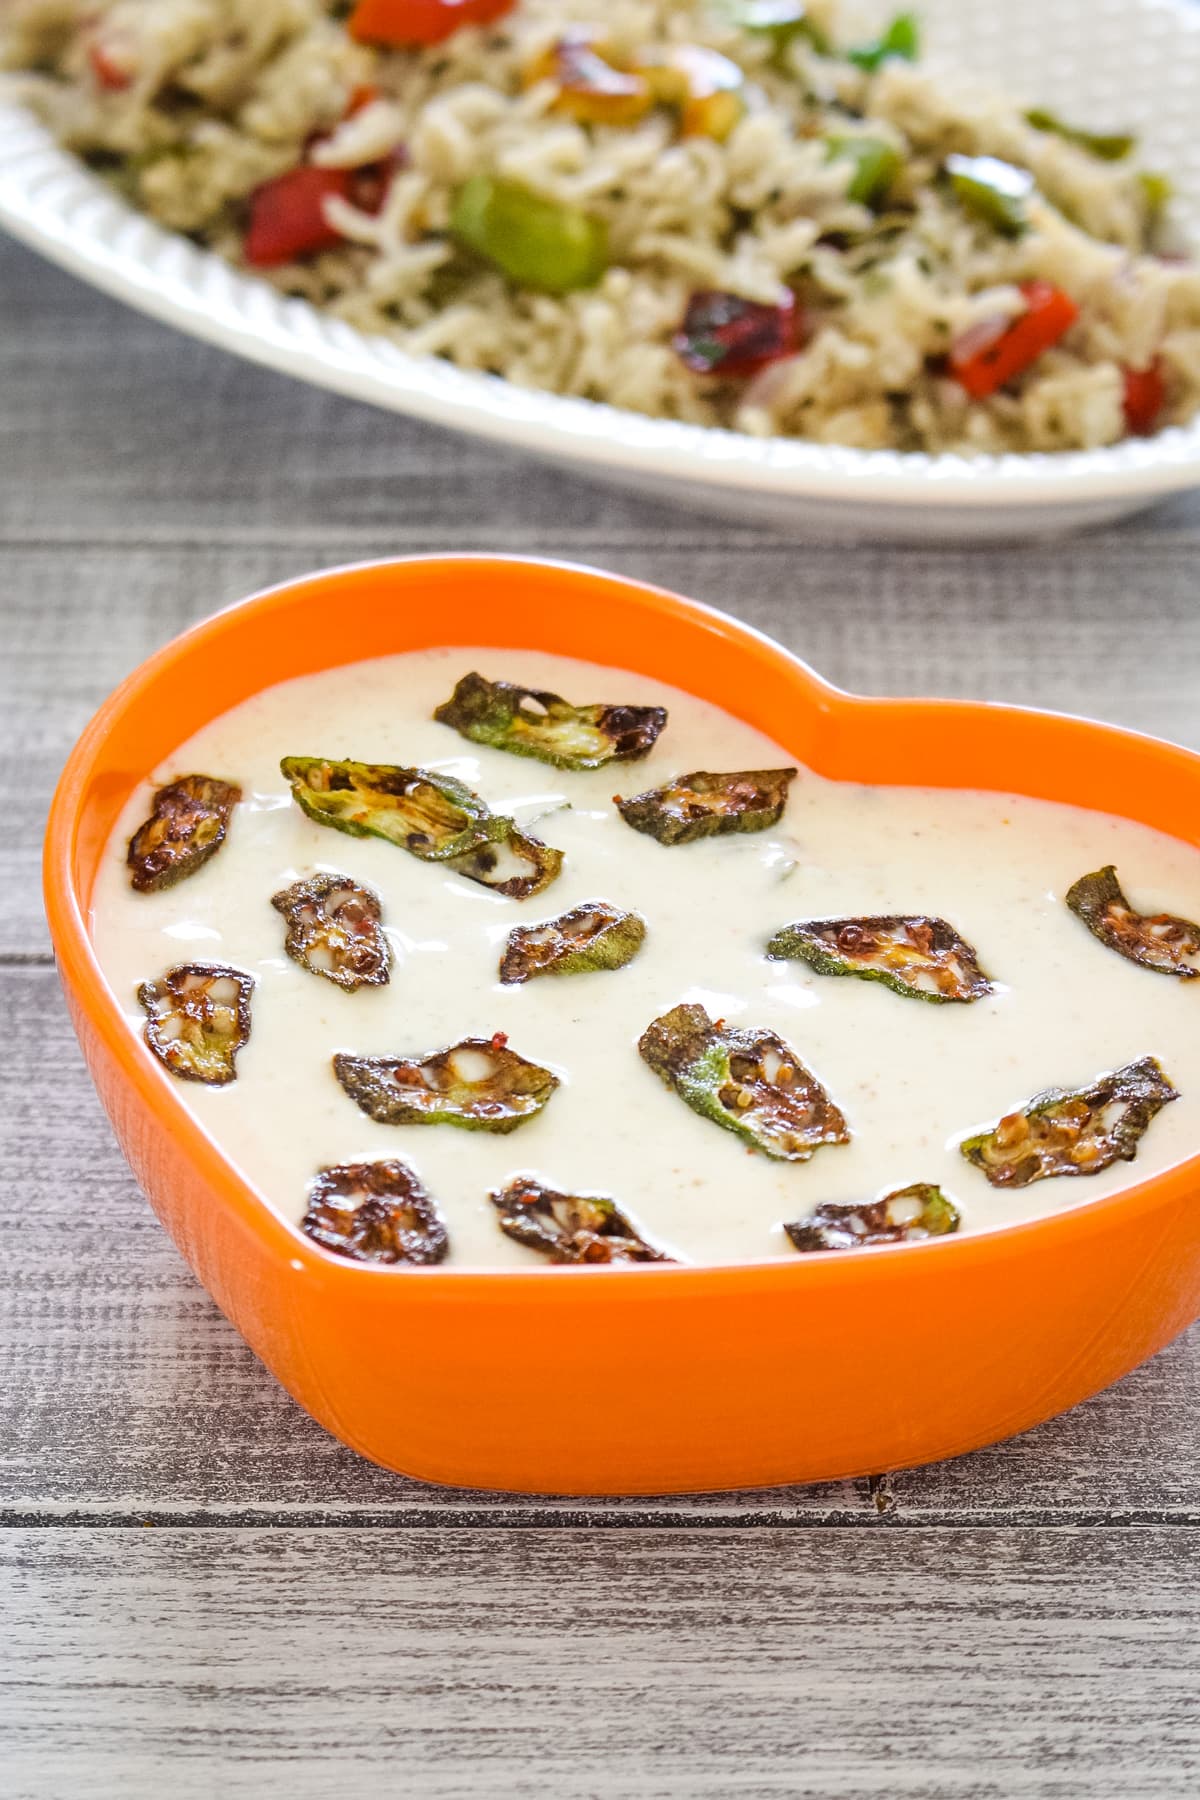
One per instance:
(1047, 630)
(633, 1665)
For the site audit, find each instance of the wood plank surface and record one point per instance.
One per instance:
(1052, 628)
(637, 1665)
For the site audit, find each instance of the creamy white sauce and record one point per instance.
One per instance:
(912, 1078)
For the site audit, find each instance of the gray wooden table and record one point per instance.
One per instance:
(201, 1593)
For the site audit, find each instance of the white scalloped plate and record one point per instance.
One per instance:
(1132, 63)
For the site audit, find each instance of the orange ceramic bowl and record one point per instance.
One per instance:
(643, 1379)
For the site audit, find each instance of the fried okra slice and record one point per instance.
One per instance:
(750, 1082)
(905, 1217)
(1152, 940)
(188, 823)
(374, 1212)
(570, 1228)
(595, 935)
(434, 817)
(923, 958)
(197, 1019)
(334, 929)
(1073, 1131)
(479, 1084)
(703, 805)
(515, 865)
(530, 722)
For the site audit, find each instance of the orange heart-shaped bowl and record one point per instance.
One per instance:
(637, 1379)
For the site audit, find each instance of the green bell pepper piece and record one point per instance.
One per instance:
(1158, 190)
(1108, 146)
(902, 39)
(782, 21)
(997, 193)
(535, 242)
(876, 166)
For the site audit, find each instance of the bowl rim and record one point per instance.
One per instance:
(53, 203)
(89, 990)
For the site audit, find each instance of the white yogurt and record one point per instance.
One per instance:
(912, 1078)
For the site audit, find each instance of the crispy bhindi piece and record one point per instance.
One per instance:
(479, 1084)
(334, 929)
(923, 958)
(515, 865)
(570, 1228)
(703, 805)
(188, 823)
(376, 1212)
(529, 722)
(750, 1082)
(432, 816)
(1069, 1131)
(595, 935)
(905, 1217)
(197, 1019)
(1152, 940)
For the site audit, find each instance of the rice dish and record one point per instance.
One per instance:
(740, 213)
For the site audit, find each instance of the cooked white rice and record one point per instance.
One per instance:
(226, 94)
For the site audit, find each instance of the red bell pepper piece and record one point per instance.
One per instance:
(369, 185)
(109, 74)
(985, 360)
(287, 216)
(407, 24)
(722, 334)
(365, 94)
(1145, 397)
